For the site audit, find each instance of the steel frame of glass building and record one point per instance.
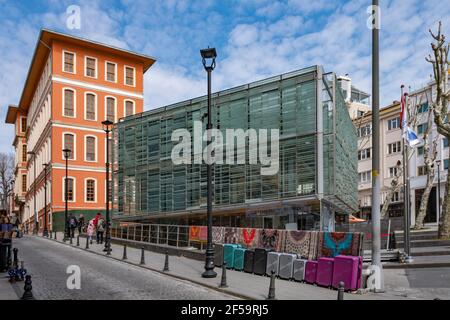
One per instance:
(317, 175)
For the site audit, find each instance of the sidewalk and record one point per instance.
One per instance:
(7, 291)
(240, 284)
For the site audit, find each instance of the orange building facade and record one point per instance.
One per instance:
(72, 86)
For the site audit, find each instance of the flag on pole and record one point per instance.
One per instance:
(409, 135)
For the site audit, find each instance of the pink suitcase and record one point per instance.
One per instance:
(325, 272)
(347, 269)
(311, 272)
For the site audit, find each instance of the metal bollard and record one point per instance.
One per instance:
(166, 262)
(27, 294)
(91, 241)
(51, 234)
(124, 252)
(55, 236)
(78, 240)
(142, 256)
(70, 241)
(271, 295)
(341, 291)
(87, 242)
(223, 281)
(16, 259)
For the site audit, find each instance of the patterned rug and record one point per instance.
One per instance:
(298, 242)
(218, 234)
(332, 244)
(231, 235)
(194, 233)
(249, 237)
(313, 245)
(271, 239)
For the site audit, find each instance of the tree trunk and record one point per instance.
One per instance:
(444, 225)
(424, 203)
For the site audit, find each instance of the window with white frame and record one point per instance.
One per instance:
(394, 123)
(24, 153)
(111, 109)
(396, 197)
(24, 183)
(111, 71)
(69, 62)
(69, 143)
(91, 67)
(445, 141)
(364, 131)
(129, 108)
(364, 177)
(420, 151)
(23, 124)
(394, 147)
(90, 144)
(129, 76)
(393, 172)
(364, 154)
(422, 128)
(91, 102)
(422, 171)
(70, 189)
(69, 103)
(90, 190)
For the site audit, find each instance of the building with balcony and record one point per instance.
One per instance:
(317, 176)
(72, 85)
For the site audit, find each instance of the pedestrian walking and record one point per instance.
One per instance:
(80, 224)
(100, 230)
(73, 223)
(90, 229)
(97, 217)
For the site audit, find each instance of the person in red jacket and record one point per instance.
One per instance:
(97, 217)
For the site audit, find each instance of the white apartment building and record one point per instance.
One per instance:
(391, 153)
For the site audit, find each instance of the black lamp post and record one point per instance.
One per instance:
(36, 225)
(107, 125)
(67, 153)
(209, 62)
(438, 162)
(45, 200)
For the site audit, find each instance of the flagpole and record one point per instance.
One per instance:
(407, 199)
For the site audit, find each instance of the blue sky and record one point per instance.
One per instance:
(254, 39)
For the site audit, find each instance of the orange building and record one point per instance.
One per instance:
(73, 84)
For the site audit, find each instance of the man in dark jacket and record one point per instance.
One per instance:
(72, 223)
(80, 223)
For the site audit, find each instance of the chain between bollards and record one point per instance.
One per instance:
(271, 295)
(341, 291)
(87, 242)
(142, 256)
(27, 294)
(166, 262)
(124, 252)
(223, 281)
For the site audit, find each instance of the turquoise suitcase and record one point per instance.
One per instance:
(228, 254)
(239, 254)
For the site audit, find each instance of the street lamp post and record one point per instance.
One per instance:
(45, 200)
(209, 55)
(66, 184)
(438, 162)
(36, 225)
(107, 124)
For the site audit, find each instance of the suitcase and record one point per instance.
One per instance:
(286, 265)
(218, 254)
(260, 261)
(299, 269)
(228, 254)
(273, 262)
(347, 269)
(239, 258)
(325, 272)
(310, 271)
(249, 256)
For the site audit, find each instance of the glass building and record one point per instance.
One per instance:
(317, 176)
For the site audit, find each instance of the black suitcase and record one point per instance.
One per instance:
(260, 261)
(218, 254)
(249, 256)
